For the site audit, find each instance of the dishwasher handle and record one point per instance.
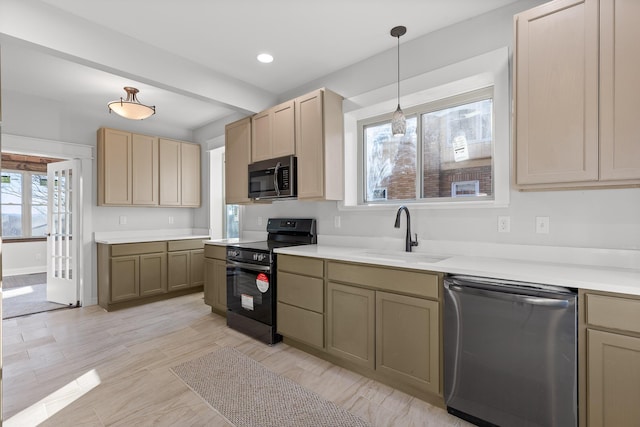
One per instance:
(507, 296)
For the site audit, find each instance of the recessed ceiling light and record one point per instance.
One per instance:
(265, 58)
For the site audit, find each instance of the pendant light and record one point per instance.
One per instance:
(131, 108)
(398, 122)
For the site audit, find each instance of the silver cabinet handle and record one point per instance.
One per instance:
(506, 296)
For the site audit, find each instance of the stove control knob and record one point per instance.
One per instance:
(233, 253)
(259, 257)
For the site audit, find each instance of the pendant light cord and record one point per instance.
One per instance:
(398, 70)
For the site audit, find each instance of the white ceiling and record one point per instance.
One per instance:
(49, 47)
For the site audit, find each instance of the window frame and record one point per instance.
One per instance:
(475, 95)
(26, 206)
(486, 69)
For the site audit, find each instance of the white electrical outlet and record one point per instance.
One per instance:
(259, 220)
(542, 224)
(504, 224)
(171, 220)
(336, 221)
(123, 219)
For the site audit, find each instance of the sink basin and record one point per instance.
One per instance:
(408, 257)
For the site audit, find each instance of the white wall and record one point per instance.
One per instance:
(23, 258)
(588, 219)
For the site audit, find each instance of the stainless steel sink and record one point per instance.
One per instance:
(398, 256)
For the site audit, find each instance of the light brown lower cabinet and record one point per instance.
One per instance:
(185, 264)
(351, 323)
(408, 339)
(300, 309)
(132, 273)
(613, 360)
(215, 278)
(382, 322)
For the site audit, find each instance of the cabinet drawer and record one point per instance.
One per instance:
(138, 248)
(301, 291)
(301, 265)
(214, 251)
(302, 325)
(613, 312)
(388, 279)
(185, 245)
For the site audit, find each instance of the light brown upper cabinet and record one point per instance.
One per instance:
(273, 132)
(180, 173)
(127, 168)
(575, 95)
(142, 170)
(237, 142)
(319, 146)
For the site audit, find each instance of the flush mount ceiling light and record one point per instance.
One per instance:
(131, 108)
(265, 58)
(398, 122)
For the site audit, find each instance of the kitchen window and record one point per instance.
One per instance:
(445, 155)
(24, 204)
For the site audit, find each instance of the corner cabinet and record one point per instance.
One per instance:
(320, 146)
(576, 92)
(611, 340)
(215, 278)
(237, 144)
(273, 132)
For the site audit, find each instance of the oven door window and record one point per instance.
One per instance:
(249, 293)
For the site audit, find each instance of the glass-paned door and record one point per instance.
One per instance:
(62, 249)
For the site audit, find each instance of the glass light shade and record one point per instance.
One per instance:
(398, 123)
(131, 108)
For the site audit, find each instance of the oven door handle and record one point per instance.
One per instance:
(247, 266)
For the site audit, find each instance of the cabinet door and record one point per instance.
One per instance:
(261, 125)
(408, 340)
(310, 145)
(283, 138)
(190, 175)
(196, 265)
(209, 281)
(556, 91)
(125, 274)
(613, 378)
(619, 89)
(153, 274)
(220, 287)
(114, 167)
(351, 323)
(170, 183)
(178, 266)
(237, 157)
(144, 154)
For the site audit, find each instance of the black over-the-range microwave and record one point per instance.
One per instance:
(273, 178)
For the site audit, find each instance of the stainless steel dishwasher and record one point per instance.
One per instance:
(510, 352)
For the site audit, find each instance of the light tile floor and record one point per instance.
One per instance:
(88, 367)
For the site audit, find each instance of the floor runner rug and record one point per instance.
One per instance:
(249, 395)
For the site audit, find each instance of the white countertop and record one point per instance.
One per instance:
(227, 242)
(602, 278)
(143, 239)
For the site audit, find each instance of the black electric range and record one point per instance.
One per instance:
(251, 277)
